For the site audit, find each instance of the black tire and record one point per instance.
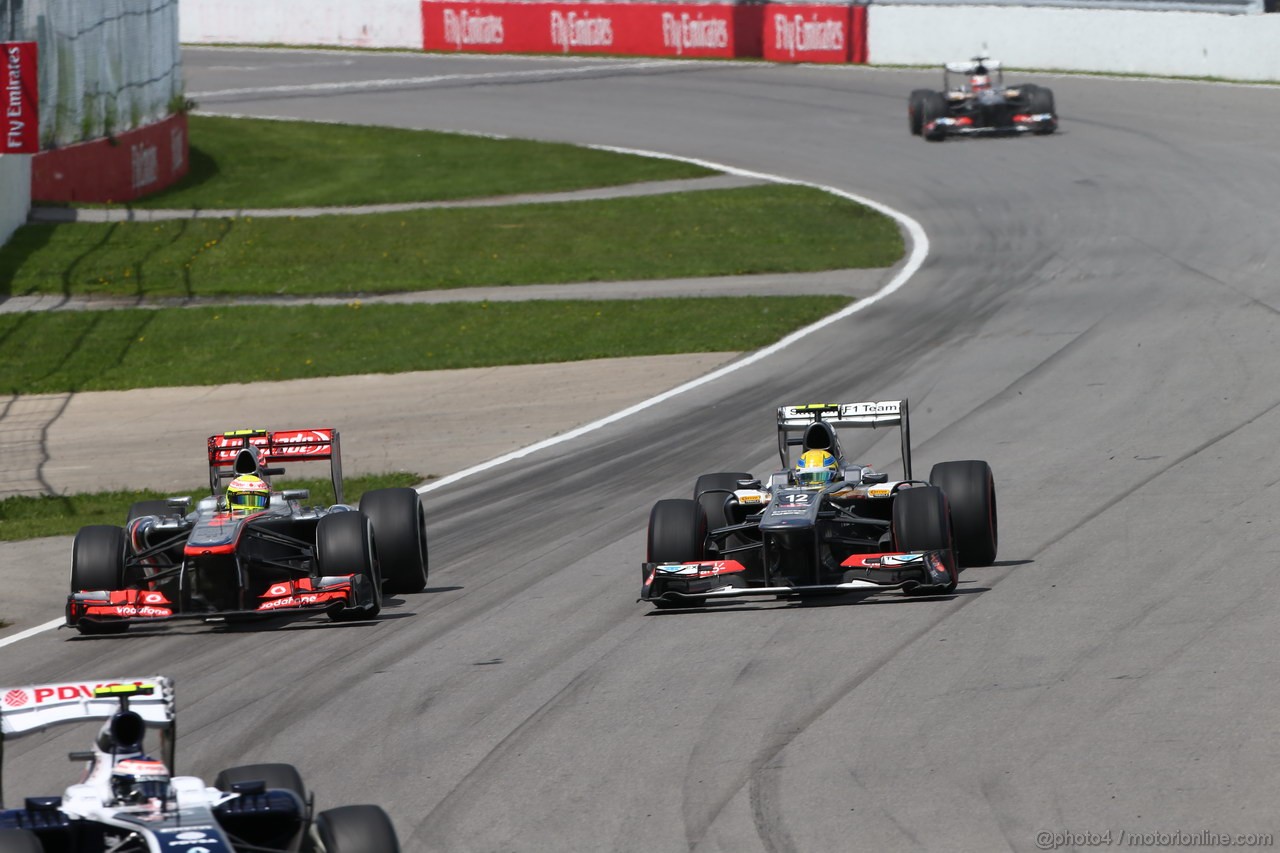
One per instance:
(400, 534)
(97, 563)
(356, 829)
(1039, 99)
(921, 523)
(914, 119)
(344, 546)
(971, 493)
(677, 532)
(276, 777)
(141, 508)
(19, 841)
(714, 504)
(933, 106)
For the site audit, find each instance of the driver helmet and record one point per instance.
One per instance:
(248, 493)
(980, 82)
(815, 468)
(138, 780)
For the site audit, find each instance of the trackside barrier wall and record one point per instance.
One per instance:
(639, 29)
(1182, 44)
(15, 192)
(795, 32)
(119, 169)
(339, 23)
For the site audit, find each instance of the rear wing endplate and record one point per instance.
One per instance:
(275, 447)
(794, 420)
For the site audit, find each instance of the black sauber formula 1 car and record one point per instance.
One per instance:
(127, 801)
(858, 533)
(976, 100)
(213, 563)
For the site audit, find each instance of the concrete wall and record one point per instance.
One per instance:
(345, 23)
(1182, 44)
(15, 192)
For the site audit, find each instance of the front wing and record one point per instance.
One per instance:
(868, 574)
(966, 126)
(328, 594)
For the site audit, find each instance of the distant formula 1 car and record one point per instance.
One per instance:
(219, 563)
(976, 100)
(127, 801)
(842, 529)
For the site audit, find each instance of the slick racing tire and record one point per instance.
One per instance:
(400, 534)
(933, 106)
(97, 563)
(356, 829)
(921, 523)
(971, 493)
(914, 110)
(19, 841)
(714, 503)
(1040, 100)
(274, 777)
(677, 532)
(344, 546)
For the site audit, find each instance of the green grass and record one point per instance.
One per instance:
(32, 517)
(761, 229)
(106, 350)
(246, 163)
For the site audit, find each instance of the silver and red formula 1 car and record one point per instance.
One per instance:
(975, 100)
(128, 801)
(212, 563)
(792, 537)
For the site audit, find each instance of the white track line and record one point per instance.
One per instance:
(31, 632)
(919, 251)
(402, 82)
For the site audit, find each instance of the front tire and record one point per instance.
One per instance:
(19, 841)
(344, 546)
(933, 106)
(356, 829)
(921, 522)
(970, 488)
(677, 534)
(400, 531)
(914, 103)
(97, 563)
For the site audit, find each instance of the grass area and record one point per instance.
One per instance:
(107, 350)
(246, 163)
(32, 517)
(759, 229)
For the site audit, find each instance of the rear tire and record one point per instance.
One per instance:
(344, 546)
(19, 841)
(97, 563)
(276, 777)
(356, 829)
(921, 523)
(971, 493)
(400, 531)
(914, 102)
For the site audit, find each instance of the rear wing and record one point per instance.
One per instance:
(794, 423)
(35, 707)
(268, 447)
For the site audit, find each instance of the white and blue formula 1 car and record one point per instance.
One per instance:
(839, 529)
(127, 801)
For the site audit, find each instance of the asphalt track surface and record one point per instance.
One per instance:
(1098, 319)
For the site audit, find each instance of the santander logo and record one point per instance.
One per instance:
(463, 28)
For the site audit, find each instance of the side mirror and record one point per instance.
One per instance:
(874, 477)
(296, 494)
